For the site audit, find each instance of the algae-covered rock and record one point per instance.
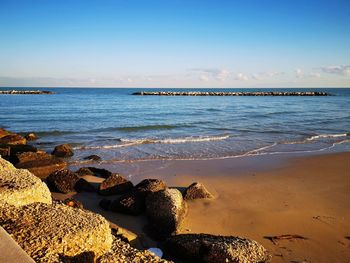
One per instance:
(20, 187)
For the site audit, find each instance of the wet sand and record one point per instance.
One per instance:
(257, 197)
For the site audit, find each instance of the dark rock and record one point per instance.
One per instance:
(100, 172)
(39, 163)
(62, 181)
(93, 157)
(84, 186)
(20, 148)
(5, 152)
(31, 137)
(150, 185)
(105, 203)
(166, 211)
(215, 249)
(63, 150)
(73, 203)
(115, 185)
(85, 257)
(13, 139)
(84, 171)
(133, 202)
(196, 191)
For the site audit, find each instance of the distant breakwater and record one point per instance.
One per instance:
(211, 93)
(25, 92)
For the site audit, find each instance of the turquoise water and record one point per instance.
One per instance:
(118, 126)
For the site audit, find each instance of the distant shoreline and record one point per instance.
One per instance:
(25, 92)
(201, 93)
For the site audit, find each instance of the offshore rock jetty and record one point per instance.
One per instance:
(25, 92)
(212, 93)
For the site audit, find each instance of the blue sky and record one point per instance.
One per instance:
(126, 43)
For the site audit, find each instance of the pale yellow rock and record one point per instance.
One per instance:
(20, 187)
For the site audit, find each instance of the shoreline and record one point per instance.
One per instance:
(256, 197)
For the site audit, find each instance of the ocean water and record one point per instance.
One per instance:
(118, 126)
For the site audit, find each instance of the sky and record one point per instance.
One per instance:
(175, 44)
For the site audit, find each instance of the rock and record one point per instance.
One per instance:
(31, 137)
(93, 157)
(4, 132)
(62, 181)
(166, 211)
(19, 187)
(73, 203)
(105, 203)
(196, 191)
(5, 152)
(85, 257)
(40, 164)
(63, 150)
(84, 171)
(13, 139)
(100, 172)
(122, 252)
(124, 234)
(47, 231)
(84, 186)
(115, 185)
(133, 202)
(215, 249)
(13, 150)
(150, 185)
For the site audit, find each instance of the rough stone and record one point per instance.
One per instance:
(150, 185)
(196, 191)
(62, 181)
(84, 171)
(47, 232)
(73, 203)
(4, 132)
(41, 164)
(19, 187)
(63, 150)
(166, 211)
(215, 249)
(13, 139)
(85, 257)
(84, 186)
(100, 172)
(115, 185)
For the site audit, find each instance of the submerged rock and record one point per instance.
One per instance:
(115, 185)
(196, 191)
(63, 150)
(47, 232)
(62, 181)
(215, 249)
(166, 211)
(31, 137)
(93, 157)
(13, 139)
(19, 187)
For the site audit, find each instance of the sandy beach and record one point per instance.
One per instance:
(257, 197)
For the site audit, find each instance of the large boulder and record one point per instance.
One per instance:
(13, 139)
(4, 132)
(19, 187)
(47, 231)
(9, 152)
(39, 163)
(166, 211)
(215, 249)
(197, 191)
(114, 185)
(63, 150)
(133, 202)
(62, 181)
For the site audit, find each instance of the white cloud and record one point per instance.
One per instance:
(241, 76)
(339, 70)
(207, 74)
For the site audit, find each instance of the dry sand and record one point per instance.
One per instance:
(256, 197)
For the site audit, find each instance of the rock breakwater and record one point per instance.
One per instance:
(219, 93)
(25, 92)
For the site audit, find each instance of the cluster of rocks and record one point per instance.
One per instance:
(212, 93)
(56, 231)
(25, 92)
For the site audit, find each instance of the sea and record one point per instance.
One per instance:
(121, 127)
